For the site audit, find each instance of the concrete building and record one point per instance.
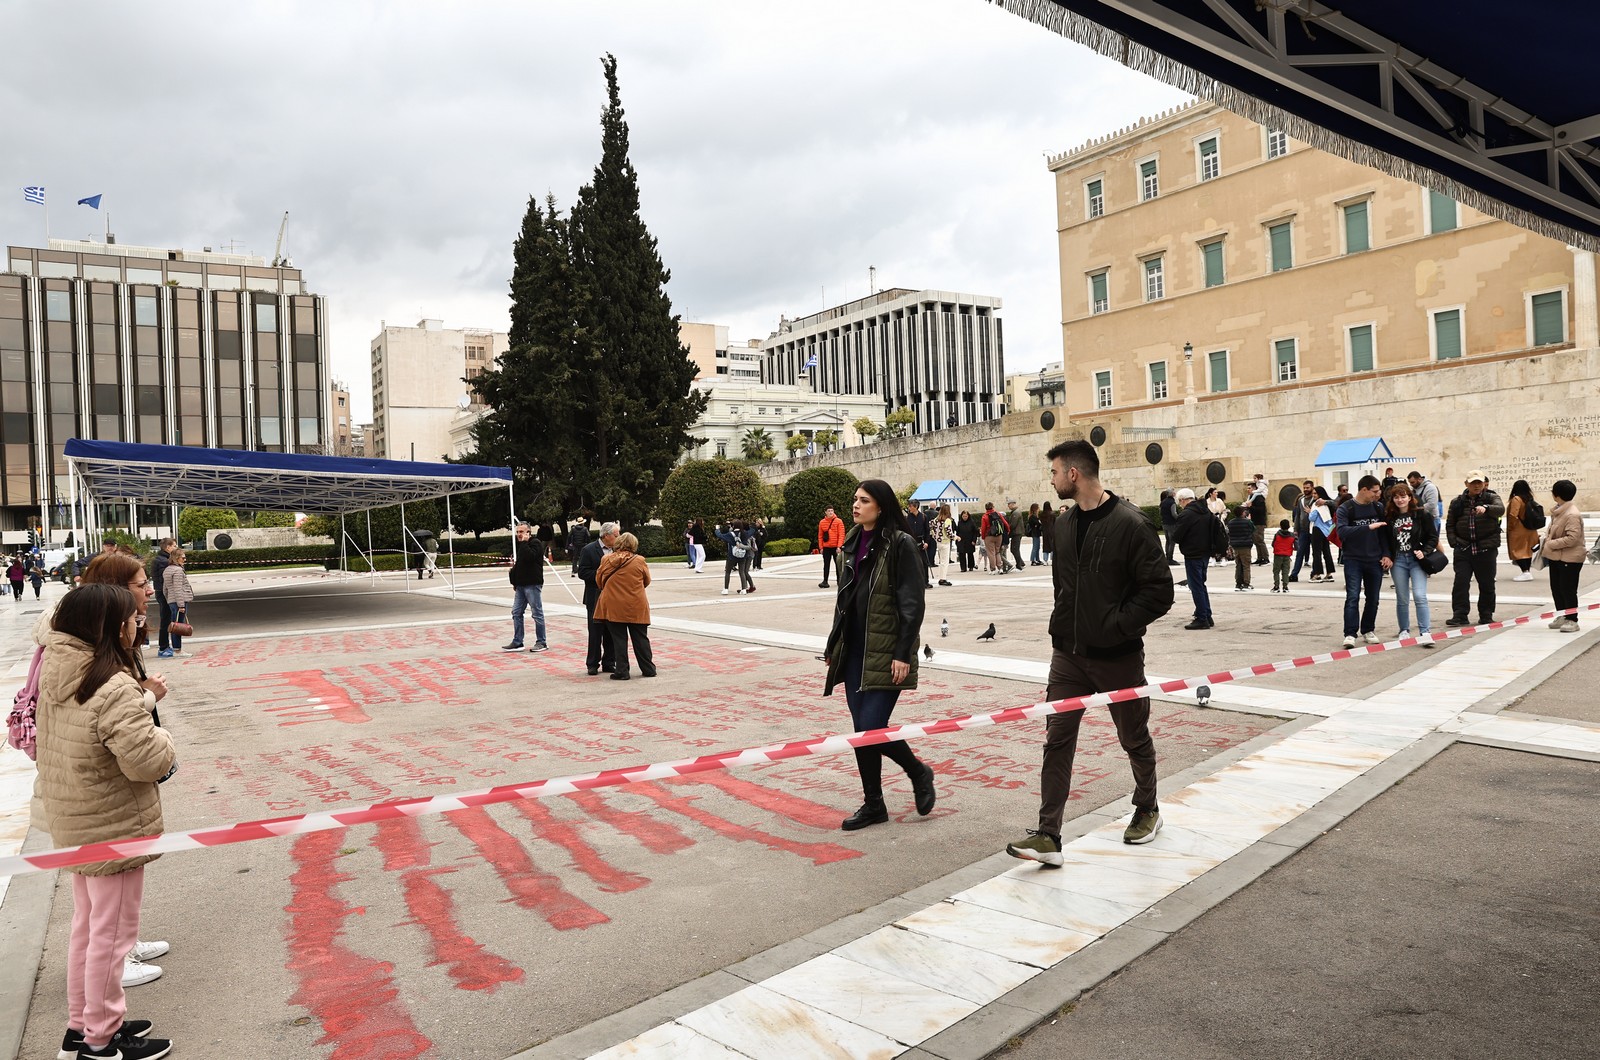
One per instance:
(149, 344)
(938, 353)
(339, 425)
(1036, 390)
(417, 387)
(358, 438)
(713, 355)
(1277, 267)
(741, 405)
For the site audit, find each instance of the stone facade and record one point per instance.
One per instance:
(1523, 416)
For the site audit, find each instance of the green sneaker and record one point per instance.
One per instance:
(1039, 846)
(1144, 826)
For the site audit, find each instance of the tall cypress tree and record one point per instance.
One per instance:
(536, 408)
(637, 372)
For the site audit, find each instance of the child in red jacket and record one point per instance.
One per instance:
(1282, 552)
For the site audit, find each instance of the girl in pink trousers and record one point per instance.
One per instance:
(101, 758)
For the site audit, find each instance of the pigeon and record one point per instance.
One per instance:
(987, 634)
(927, 651)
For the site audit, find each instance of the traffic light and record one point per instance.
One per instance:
(33, 537)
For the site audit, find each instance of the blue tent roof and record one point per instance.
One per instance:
(1359, 451)
(943, 490)
(237, 478)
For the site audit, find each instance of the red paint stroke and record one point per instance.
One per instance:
(335, 705)
(798, 810)
(658, 837)
(351, 996)
(816, 853)
(585, 858)
(432, 909)
(530, 888)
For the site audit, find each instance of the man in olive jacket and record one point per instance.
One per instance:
(1111, 582)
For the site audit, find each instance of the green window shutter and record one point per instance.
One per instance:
(1219, 372)
(1102, 380)
(1355, 228)
(1097, 200)
(1158, 373)
(1282, 248)
(1447, 334)
(1097, 286)
(1147, 169)
(1288, 368)
(1549, 318)
(1210, 166)
(1361, 348)
(1441, 212)
(1213, 259)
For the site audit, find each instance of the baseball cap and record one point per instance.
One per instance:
(1477, 476)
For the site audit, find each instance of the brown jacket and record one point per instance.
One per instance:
(1563, 539)
(1519, 539)
(622, 578)
(98, 761)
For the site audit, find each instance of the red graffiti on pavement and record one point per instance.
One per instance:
(530, 887)
(816, 853)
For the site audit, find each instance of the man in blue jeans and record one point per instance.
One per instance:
(1365, 551)
(527, 583)
(1193, 533)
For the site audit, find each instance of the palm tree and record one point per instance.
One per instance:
(758, 445)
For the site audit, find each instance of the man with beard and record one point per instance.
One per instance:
(1111, 582)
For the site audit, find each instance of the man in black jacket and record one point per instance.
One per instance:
(527, 583)
(1196, 532)
(1472, 528)
(917, 527)
(1258, 518)
(599, 657)
(1111, 582)
(1169, 519)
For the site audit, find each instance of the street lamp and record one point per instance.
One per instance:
(1188, 374)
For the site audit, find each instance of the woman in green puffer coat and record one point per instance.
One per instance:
(872, 648)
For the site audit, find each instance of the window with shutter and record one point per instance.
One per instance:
(1549, 318)
(1098, 300)
(1287, 359)
(1442, 215)
(1219, 371)
(1155, 284)
(1158, 381)
(1212, 254)
(1210, 160)
(1149, 186)
(1097, 199)
(1447, 334)
(1102, 390)
(1355, 228)
(1361, 348)
(1279, 237)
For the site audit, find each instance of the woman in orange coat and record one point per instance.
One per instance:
(623, 606)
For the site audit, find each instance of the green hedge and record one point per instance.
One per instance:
(788, 546)
(711, 490)
(808, 494)
(390, 561)
(1152, 512)
(658, 541)
(204, 558)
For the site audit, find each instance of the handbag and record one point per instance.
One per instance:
(21, 732)
(180, 625)
(739, 551)
(1435, 561)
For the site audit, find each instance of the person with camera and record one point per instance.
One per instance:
(740, 542)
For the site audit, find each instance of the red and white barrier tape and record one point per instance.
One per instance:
(171, 842)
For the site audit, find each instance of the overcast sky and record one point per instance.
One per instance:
(781, 151)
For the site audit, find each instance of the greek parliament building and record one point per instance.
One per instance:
(936, 353)
(141, 344)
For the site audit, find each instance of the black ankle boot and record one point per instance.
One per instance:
(872, 812)
(922, 788)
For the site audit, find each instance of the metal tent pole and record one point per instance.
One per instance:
(344, 562)
(372, 554)
(405, 564)
(450, 527)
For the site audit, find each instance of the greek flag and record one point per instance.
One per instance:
(811, 362)
(34, 193)
(811, 448)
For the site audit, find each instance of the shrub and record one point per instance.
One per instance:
(122, 537)
(808, 494)
(194, 522)
(266, 519)
(658, 541)
(1152, 512)
(423, 515)
(203, 559)
(711, 490)
(788, 546)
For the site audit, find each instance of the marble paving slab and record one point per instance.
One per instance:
(762, 1023)
(670, 1041)
(906, 1011)
(1011, 937)
(948, 967)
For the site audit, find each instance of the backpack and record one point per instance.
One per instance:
(21, 731)
(997, 525)
(1532, 515)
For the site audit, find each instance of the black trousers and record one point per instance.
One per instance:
(1166, 529)
(1016, 547)
(640, 633)
(1564, 584)
(827, 564)
(600, 654)
(164, 640)
(1469, 566)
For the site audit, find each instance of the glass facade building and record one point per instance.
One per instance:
(139, 344)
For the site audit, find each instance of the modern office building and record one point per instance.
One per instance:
(714, 356)
(937, 353)
(418, 388)
(146, 344)
(1203, 255)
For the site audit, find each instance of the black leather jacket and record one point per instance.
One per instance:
(888, 601)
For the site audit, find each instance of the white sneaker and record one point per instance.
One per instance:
(724, 592)
(1349, 642)
(137, 973)
(1372, 638)
(1525, 576)
(1430, 643)
(149, 951)
(1404, 634)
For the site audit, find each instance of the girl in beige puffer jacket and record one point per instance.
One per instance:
(101, 757)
